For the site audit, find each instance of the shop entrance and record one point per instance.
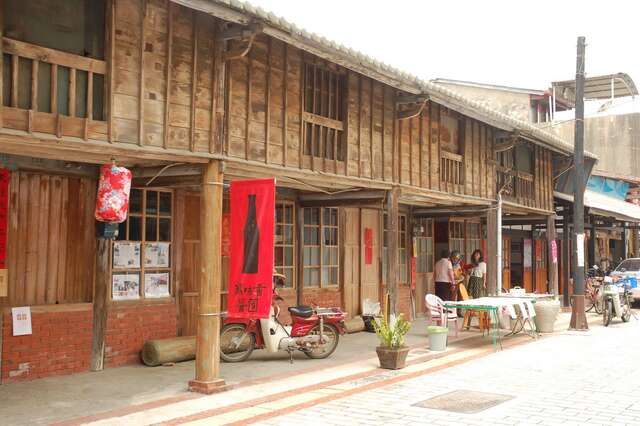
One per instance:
(369, 255)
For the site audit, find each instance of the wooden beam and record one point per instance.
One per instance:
(323, 121)
(14, 80)
(240, 32)
(360, 125)
(411, 99)
(32, 51)
(348, 196)
(247, 126)
(110, 37)
(100, 304)
(89, 100)
(410, 113)
(267, 106)
(392, 255)
(167, 93)
(371, 162)
(194, 82)
(72, 92)
(492, 253)
(208, 336)
(285, 89)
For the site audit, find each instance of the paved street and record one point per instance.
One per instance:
(572, 378)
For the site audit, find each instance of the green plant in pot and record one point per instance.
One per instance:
(392, 352)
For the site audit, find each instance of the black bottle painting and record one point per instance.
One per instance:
(251, 239)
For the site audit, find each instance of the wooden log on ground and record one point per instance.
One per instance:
(175, 349)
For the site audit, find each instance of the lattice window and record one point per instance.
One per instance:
(473, 239)
(320, 247)
(424, 245)
(323, 113)
(402, 250)
(285, 262)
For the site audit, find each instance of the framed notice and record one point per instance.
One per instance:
(21, 319)
(125, 286)
(126, 255)
(156, 255)
(156, 284)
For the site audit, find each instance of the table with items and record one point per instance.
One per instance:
(519, 309)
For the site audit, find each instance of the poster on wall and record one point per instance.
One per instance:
(527, 252)
(125, 286)
(554, 252)
(156, 284)
(21, 319)
(368, 246)
(4, 211)
(126, 255)
(252, 240)
(156, 255)
(580, 250)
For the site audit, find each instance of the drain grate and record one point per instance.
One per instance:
(464, 401)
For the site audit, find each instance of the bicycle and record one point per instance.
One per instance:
(592, 295)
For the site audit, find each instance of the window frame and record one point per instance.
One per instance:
(323, 112)
(320, 228)
(143, 269)
(285, 204)
(425, 254)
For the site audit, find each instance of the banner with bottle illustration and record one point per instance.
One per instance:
(251, 260)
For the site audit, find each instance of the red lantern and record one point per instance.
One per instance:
(112, 203)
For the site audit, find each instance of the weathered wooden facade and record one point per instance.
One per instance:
(369, 163)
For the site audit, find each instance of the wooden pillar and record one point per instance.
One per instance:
(208, 334)
(100, 296)
(593, 244)
(552, 267)
(566, 257)
(493, 269)
(625, 244)
(392, 270)
(636, 241)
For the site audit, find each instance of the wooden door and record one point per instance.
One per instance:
(527, 264)
(506, 263)
(188, 261)
(424, 247)
(369, 255)
(351, 261)
(540, 260)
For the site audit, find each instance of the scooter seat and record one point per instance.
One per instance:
(302, 311)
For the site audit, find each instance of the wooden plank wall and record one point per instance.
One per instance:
(543, 178)
(51, 239)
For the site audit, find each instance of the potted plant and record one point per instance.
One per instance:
(392, 352)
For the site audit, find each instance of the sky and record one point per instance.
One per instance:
(514, 43)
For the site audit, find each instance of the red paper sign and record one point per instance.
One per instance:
(251, 262)
(226, 235)
(4, 209)
(413, 273)
(368, 246)
(554, 251)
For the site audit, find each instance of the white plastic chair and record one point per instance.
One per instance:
(436, 312)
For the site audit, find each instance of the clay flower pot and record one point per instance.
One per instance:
(391, 358)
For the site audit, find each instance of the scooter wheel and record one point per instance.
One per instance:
(330, 333)
(607, 312)
(236, 344)
(626, 316)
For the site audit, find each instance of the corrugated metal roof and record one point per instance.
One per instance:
(599, 87)
(365, 64)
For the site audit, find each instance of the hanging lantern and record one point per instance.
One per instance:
(112, 202)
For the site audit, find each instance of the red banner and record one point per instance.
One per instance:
(4, 211)
(251, 262)
(368, 246)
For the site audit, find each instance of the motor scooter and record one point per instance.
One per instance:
(314, 331)
(616, 301)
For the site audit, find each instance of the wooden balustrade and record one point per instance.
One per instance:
(518, 186)
(452, 170)
(51, 91)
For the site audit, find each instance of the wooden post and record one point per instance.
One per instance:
(552, 267)
(100, 297)
(392, 270)
(208, 335)
(493, 269)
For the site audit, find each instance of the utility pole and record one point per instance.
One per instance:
(578, 317)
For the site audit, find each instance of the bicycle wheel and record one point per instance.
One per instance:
(588, 302)
(598, 303)
(235, 343)
(607, 312)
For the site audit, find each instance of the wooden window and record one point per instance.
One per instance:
(141, 255)
(55, 51)
(515, 172)
(456, 235)
(323, 113)
(320, 247)
(403, 277)
(285, 248)
(473, 239)
(424, 245)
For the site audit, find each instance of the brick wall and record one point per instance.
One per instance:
(60, 344)
(129, 326)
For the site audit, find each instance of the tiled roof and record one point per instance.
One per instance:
(405, 81)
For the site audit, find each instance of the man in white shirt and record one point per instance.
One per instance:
(444, 278)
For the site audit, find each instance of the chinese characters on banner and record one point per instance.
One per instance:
(554, 251)
(4, 208)
(226, 235)
(251, 261)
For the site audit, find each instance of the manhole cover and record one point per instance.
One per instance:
(464, 401)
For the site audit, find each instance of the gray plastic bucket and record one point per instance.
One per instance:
(437, 338)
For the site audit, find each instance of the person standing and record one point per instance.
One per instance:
(478, 275)
(444, 277)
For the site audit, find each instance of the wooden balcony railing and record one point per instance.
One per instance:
(518, 186)
(451, 169)
(50, 91)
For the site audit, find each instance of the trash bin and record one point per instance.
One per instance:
(437, 337)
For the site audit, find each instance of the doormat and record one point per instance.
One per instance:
(474, 402)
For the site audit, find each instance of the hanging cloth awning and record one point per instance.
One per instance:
(603, 205)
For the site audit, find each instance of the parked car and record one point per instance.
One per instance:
(629, 269)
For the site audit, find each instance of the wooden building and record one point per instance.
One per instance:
(373, 166)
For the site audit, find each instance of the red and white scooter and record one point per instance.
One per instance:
(315, 331)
